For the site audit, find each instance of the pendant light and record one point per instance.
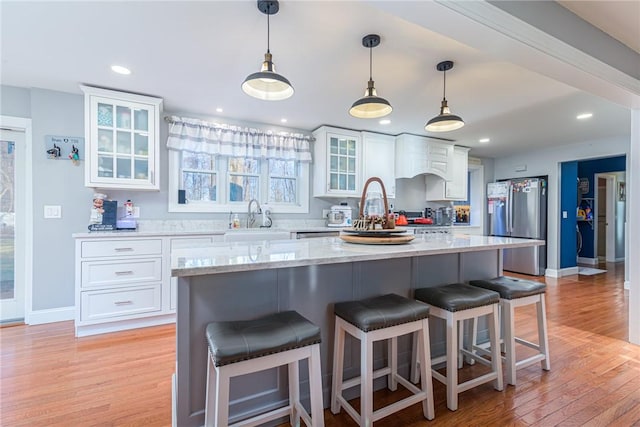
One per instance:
(370, 106)
(445, 121)
(267, 84)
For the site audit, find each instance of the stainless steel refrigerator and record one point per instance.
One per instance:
(518, 208)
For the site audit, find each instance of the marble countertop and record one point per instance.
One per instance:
(244, 256)
(197, 232)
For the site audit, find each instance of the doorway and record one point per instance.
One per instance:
(12, 284)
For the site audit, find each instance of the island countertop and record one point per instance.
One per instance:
(260, 255)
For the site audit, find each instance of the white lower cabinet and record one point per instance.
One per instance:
(118, 303)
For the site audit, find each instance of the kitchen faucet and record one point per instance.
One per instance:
(251, 216)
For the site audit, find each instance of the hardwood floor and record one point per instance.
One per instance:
(50, 378)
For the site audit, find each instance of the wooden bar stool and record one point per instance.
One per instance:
(380, 318)
(517, 293)
(454, 303)
(243, 347)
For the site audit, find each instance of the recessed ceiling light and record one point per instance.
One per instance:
(120, 69)
(384, 121)
(584, 116)
(218, 110)
(483, 140)
(283, 120)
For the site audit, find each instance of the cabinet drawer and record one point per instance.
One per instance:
(101, 273)
(103, 304)
(108, 248)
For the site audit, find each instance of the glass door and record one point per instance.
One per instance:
(11, 285)
(342, 163)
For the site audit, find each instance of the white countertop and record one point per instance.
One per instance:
(244, 256)
(196, 232)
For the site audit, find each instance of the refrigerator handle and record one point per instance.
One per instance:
(510, 209)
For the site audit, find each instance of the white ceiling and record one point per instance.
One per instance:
(195, 55)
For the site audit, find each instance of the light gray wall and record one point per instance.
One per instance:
(15, 101)
(59, 182)
(547, 162)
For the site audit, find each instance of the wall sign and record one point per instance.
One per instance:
(64, 147)
(583, 185)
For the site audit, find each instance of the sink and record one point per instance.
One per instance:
(256, 234)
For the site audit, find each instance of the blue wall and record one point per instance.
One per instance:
(568, 203)
(588, 169)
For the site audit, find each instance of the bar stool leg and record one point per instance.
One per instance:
(415, 358)
(294, 392)
(496, 358)
(508, 322)
(424, 350)
(210, 414)
(452, 363)
(366, 377)
(315, 389)
(392, 345)
(222, 398)
(543, 339)
(338, 362)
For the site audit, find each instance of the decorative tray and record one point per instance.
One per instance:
(375, 233)
(390, 239)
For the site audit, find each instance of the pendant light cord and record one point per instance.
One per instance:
(268, 28)
(444, 86)
(370, 63)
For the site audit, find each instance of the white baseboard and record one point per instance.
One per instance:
(588, 261)
(38, 317)
(627, 284)
(620, 259)
(552, 272)
(124, 325)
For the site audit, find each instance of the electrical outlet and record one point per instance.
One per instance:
(136, 212)
(325, 213)
(52, 211)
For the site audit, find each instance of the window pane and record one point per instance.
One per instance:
(243, 188)
(141, 144)
(343, 164)
(141, 120)
(333, 164)
(282, 167)
(342, 185)
(141, 168)
(333, 181)
(351, 182)
(333, 146)
(199, 186)
(352, 147)
(105, 141)
(352, 165)
(199, 161)
(124, 142)
(123, 167)
(123, 117)
(105, 115)
(241, 165)
(343, 147)
(105, 166)
(282, 190)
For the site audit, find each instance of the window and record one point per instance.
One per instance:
(198, 177)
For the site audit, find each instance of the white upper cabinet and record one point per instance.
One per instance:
(378, 160)
(337, 163)
(416, 155)
(122, 133)
(456, 187)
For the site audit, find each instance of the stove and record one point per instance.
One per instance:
(417, 228)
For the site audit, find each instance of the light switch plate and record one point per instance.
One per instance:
(52, 211)
(564, 214)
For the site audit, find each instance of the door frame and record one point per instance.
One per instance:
(24, 238)
(610, 228)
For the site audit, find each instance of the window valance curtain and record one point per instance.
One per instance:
(226, 140)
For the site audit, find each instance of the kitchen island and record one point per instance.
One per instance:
(244, 280)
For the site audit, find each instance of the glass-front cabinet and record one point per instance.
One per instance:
(122, 134)
(337, 154)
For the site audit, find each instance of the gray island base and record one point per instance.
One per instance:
(244, 280)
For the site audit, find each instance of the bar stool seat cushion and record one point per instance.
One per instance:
(457, 296)
(231, 342)
(381, 312)
(511, 288)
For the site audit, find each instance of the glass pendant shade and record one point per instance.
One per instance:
(267, 84)
(445, 121)
(370, 106)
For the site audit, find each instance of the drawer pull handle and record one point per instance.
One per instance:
(123, 273)
(124, 249)
(128, 302)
